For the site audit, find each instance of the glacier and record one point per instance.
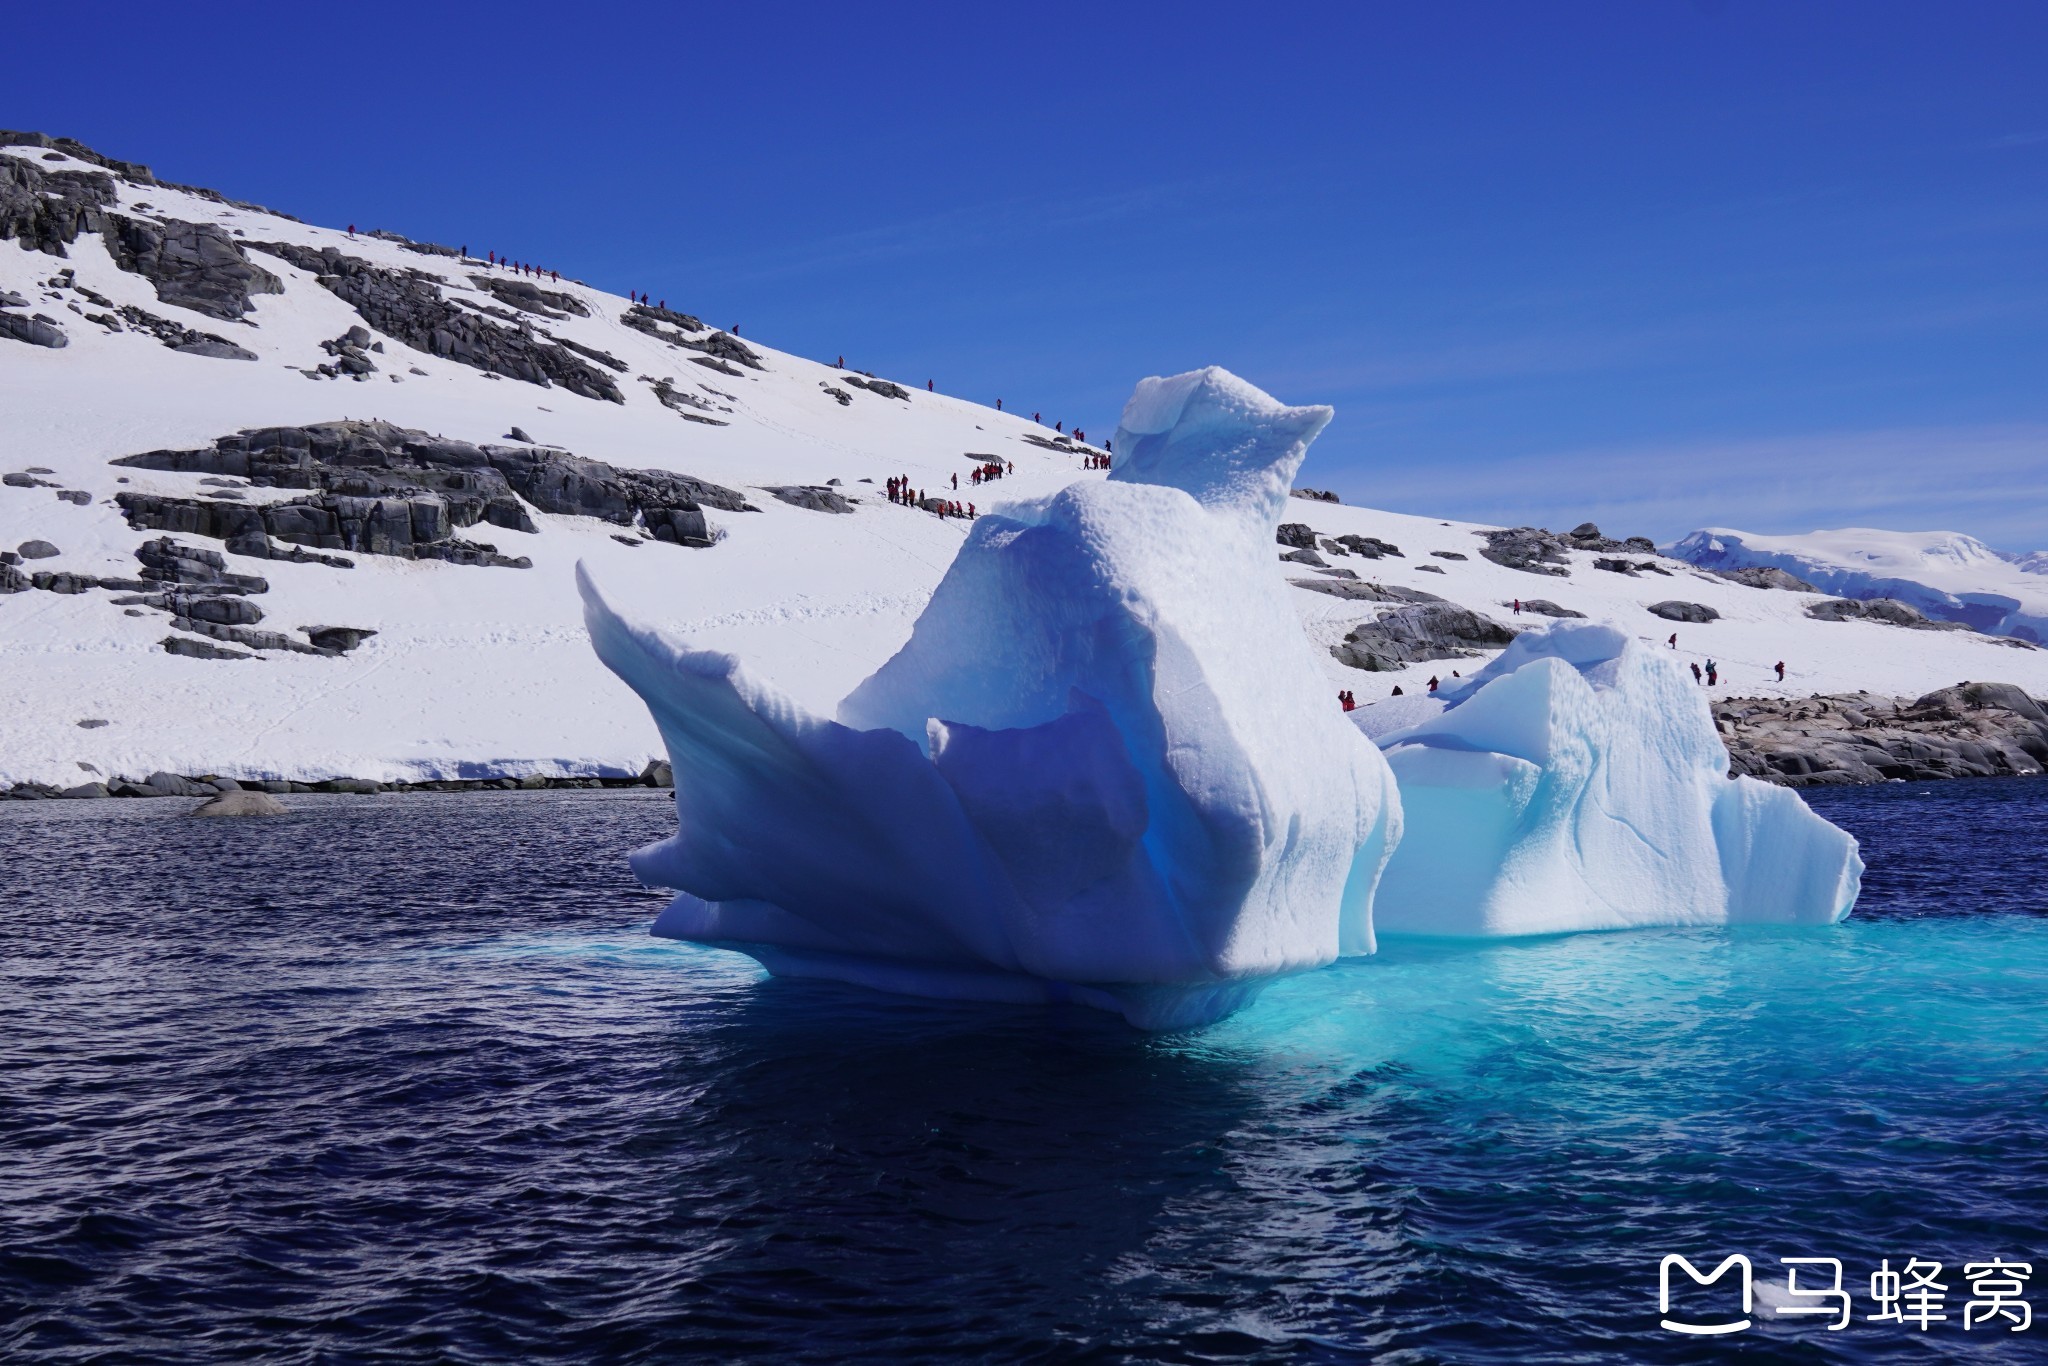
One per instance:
(1577, 783)
(1105, 768)
(1947, 575)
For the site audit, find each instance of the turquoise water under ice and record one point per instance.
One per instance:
(404, 1078)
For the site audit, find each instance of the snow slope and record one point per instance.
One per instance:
(479, 671)
(1947, 575)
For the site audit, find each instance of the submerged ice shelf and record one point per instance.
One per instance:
(1106, 769)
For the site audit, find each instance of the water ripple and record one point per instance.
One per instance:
(403, 1078)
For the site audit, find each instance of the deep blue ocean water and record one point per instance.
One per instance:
(404, 1078)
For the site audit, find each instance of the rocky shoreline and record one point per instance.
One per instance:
(656, 775)
(1972, 730)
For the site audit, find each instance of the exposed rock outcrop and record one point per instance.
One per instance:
(1696, 612)
(1352, 590)
(1586, 536)
(1765, 577)
(529, 297)
(881, 387)
(389, 490)
(409, 306)
(177, 336)
(1371, 547)
(1527, 548)
(1544, 607)
(1969, 731)
(1295, 535)
(46, 210)
(814, 497)
(409, 528)
(1890, 611)
(1408, 635)
(1632, 568)
(193, 265)
(37, 329)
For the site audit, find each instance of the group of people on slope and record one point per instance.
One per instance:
(522, 268)
(516, 267)
(1095, 462)
(902, 494)
(981, 474)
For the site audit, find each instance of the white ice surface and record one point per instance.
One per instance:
(1577, 783)
(1103, 768)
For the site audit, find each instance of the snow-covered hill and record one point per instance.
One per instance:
(185, 319)
(1947, 575)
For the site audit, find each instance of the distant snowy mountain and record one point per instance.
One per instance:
(1949, 576)
(279, 501)
(2033, 562)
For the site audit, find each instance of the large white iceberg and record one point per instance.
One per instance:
(1577, 783)
(1105, 768)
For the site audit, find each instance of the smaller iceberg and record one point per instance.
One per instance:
(1105, 768)
(1577, 783)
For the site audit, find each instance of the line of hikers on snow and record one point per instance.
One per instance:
(981, 474)
(904, 495)
(516, 267)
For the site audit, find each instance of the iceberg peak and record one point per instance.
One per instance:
(1230, 445)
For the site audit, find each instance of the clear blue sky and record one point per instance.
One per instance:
(1663, 263)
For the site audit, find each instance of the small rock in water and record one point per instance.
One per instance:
(241, 803)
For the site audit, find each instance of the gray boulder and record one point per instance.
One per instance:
(1529, 549)
(337, 639)
(200, 649)
(1296, 536)
(1351, 590)
(1544, 607)
(1308, 557)
(37, 550)
(1371, 547)
(84, 790)
(36, 330)
(1408, 635)
(241, 803)
(1684, 611)
(816, 498)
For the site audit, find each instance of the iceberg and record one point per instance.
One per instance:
(1577, 783)
(1105, 768)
